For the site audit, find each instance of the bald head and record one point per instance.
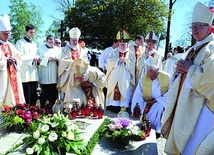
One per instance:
(152, 72)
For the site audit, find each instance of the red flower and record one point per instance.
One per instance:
(6, 109)
(27, 115)
(33, 108)
(20, 112)
(22, 106)
(28, 121)
(35, 115)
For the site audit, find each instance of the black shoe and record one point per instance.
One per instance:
(158, 135)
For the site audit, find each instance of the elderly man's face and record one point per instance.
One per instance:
(200, 30)
(74, 41)
(152, 75)
(4, 35)
(123, 46)
(150, 45)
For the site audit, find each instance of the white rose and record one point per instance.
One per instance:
(52, 137)
(29, 150)
(41, 140)
(70, 127)
(54, 124)
(70, 135)
(35, 148)
(45, 128)
(64, 134)
(36, 134)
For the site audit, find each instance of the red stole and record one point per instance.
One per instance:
(12, 72)
(137, 55)
(87, 89)
(74, 54)
(137, 51)
(122, 54)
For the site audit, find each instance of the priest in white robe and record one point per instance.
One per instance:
(170, 64)
(188, 120)
(153, 57)
(30, 62)
(10, 61)
(48, 69)
(69, 53)
(85, 85)
(120, 74)
(151, 95)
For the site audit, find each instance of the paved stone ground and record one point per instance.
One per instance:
(8, 140)
(160, 144)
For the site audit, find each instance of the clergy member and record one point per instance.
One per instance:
(188, 120)
(48, 69)
(30, 62)
(120, 74)
(85, 85)
(151, 95)
(70, 52)
(152, 55)
(11, 84)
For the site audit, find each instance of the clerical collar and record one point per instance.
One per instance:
(199, 43)
(3, 42)
(48, 46)
(27, 39)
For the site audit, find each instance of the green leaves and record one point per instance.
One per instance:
(53, 136)
(113, 131)
(21, 14)
(100, 20)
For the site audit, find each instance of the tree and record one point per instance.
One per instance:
(22, 14)
(171, 3)
(100, 20)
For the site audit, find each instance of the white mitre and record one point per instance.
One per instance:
(75, 32)
(202, 14)
(5, 23)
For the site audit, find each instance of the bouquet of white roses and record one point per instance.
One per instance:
(123, 130)
(54, 135)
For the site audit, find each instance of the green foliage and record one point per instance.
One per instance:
(96, 138)
(100, 20)
(122, 131)
(18, 118)
(55, 135)
(22, 14)
(12, 121)
(53, 29)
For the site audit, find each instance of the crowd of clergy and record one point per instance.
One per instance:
(177, 94)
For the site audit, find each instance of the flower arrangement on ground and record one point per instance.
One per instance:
(54, 135)
(20, 117)
(123, 130)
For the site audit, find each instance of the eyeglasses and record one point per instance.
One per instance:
(57, 42)
(197, 26)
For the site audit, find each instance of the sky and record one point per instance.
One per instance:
(182, 12)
